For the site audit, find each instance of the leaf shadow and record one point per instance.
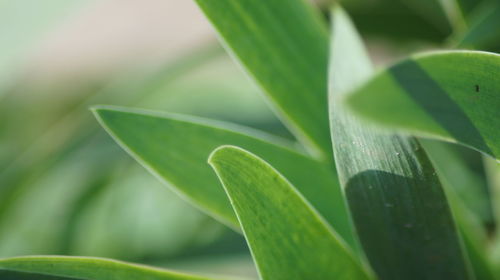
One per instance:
(405, 224)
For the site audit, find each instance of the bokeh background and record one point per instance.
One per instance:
(67, 188)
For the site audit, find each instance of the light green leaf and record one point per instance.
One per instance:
(287, 237)
(175, 149)
(73, 268)
(397, 203)
(283, 45)
(449, 95)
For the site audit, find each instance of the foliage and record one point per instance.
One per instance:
(358, 195)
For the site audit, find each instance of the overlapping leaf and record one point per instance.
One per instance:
(175, 149)
(77, 268)
(283, 45)
(288, 239)
(396, 200)
(449, 95)
(471, 208)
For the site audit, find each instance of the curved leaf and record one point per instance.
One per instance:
(175, 149)
(397, 203)
(283, 44)
(287, 237)
(73, 268)
(447, 95)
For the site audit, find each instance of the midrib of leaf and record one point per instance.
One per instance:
(397, 203)
(280, 46)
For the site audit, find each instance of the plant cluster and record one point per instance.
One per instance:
(370, 192)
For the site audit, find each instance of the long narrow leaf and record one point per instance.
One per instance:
(469, 206)
(73, 268)
(288, 239)
(283, 45)
(398, 206)
(447, 95)
(175, 149)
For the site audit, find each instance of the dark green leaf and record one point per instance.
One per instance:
(397, 203)
(446, 95)
(483, 31)
(469, 205)
(175, 149)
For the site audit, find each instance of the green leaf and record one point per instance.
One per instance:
(73, 268)
(449, 95)
(492, 169)
(175, 149)
(397, 203)
(483, 31)
(287, 237)
(470, 207)
(467, 6)
(434, 11)
(457, 176)
(367, 15)
(283, 45)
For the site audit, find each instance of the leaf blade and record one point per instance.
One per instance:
(288, 63)
(396, 201)
(481, 33)
(445, 95)
(174, 147)
(288, 239)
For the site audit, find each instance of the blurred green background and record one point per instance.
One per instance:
(67, 188)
